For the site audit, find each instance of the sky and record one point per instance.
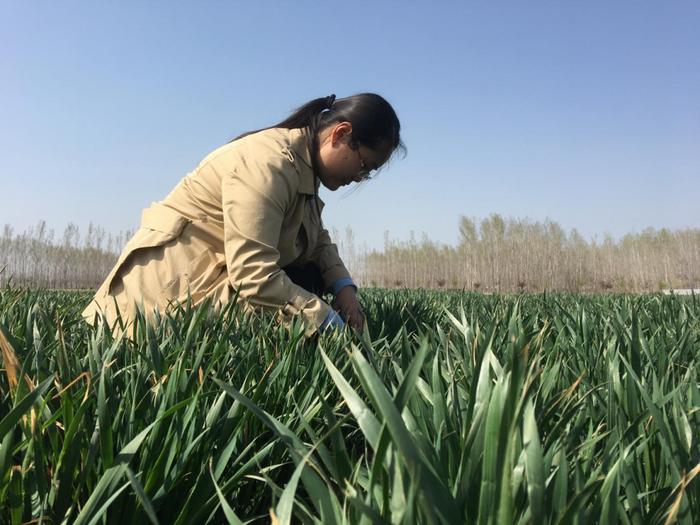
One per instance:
(585, 113)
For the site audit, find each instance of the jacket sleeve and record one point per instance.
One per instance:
(255, 197)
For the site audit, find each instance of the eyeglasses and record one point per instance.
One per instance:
(364, 173)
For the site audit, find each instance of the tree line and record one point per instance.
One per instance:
(38, 258)
(498, 254)
(495, 254)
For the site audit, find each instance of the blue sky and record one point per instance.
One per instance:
(587, 113)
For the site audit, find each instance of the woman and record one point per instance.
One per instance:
(247, 223)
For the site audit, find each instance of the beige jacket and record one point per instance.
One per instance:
(249, 209)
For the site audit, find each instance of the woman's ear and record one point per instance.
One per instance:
(342, 133)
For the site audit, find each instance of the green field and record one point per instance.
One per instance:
(454, 408)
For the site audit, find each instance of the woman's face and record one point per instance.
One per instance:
(338, 163)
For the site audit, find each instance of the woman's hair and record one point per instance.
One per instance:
(374, 122)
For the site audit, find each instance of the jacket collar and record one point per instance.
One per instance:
(299, 145)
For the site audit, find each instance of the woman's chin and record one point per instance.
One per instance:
(333, 184)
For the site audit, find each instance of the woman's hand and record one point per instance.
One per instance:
(348, 306)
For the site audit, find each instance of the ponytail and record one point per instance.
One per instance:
(306, 116)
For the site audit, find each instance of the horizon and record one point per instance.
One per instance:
(54, 234)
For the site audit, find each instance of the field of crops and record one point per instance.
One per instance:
(454, 408)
